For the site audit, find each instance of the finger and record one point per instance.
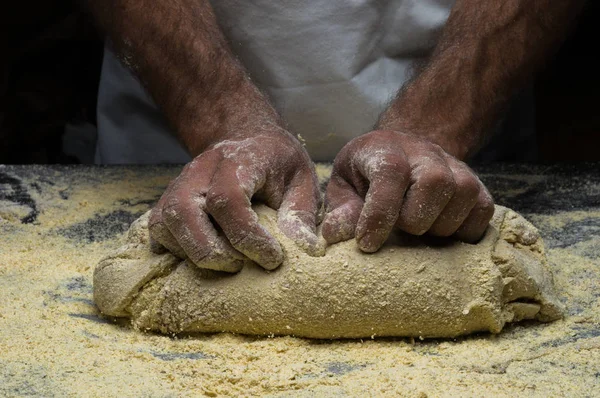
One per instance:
(185, 216)
(461, 204)
(478, 219)
(431, 188)
(228, 201)
(160, 236)
(388, 177)
(343, 206)
(297, 216)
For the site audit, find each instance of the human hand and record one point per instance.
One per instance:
(205, 214)
(387, 179)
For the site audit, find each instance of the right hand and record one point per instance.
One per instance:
(205, 215)
(387, 180)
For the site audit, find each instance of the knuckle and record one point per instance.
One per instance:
(187, 167)
(488, 207)
(193, 165)
(171, 210)
(218, 200)
(487, 199)
(394, 163)
(439, 177)
(384, 135)
(386, 165)
(485, 208)
(467, 184)
(438, 149)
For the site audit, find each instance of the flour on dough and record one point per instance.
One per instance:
(413, 286)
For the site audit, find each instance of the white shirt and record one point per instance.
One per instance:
(329, 66)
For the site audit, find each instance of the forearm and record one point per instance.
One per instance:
(486, 52)
(179, 53)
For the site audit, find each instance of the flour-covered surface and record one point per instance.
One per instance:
(57, 222)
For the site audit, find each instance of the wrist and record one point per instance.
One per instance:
(451, 139)
(236, 113)
(439, 117)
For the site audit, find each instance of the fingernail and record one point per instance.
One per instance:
(365, 244)
(271, 264)
(313, 245)
(273, 259)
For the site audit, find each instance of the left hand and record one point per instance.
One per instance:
(206, 215)
(386, 179)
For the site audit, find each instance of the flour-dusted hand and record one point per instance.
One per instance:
(241, 151)
(386, 179)
(205, 214)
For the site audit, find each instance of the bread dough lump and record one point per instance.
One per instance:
(414, 286)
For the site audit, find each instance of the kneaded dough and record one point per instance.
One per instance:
(414, 286)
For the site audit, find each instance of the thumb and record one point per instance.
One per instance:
(343, 211)
(297, 215)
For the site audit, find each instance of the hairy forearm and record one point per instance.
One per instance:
(179, 53)
(487, 51)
